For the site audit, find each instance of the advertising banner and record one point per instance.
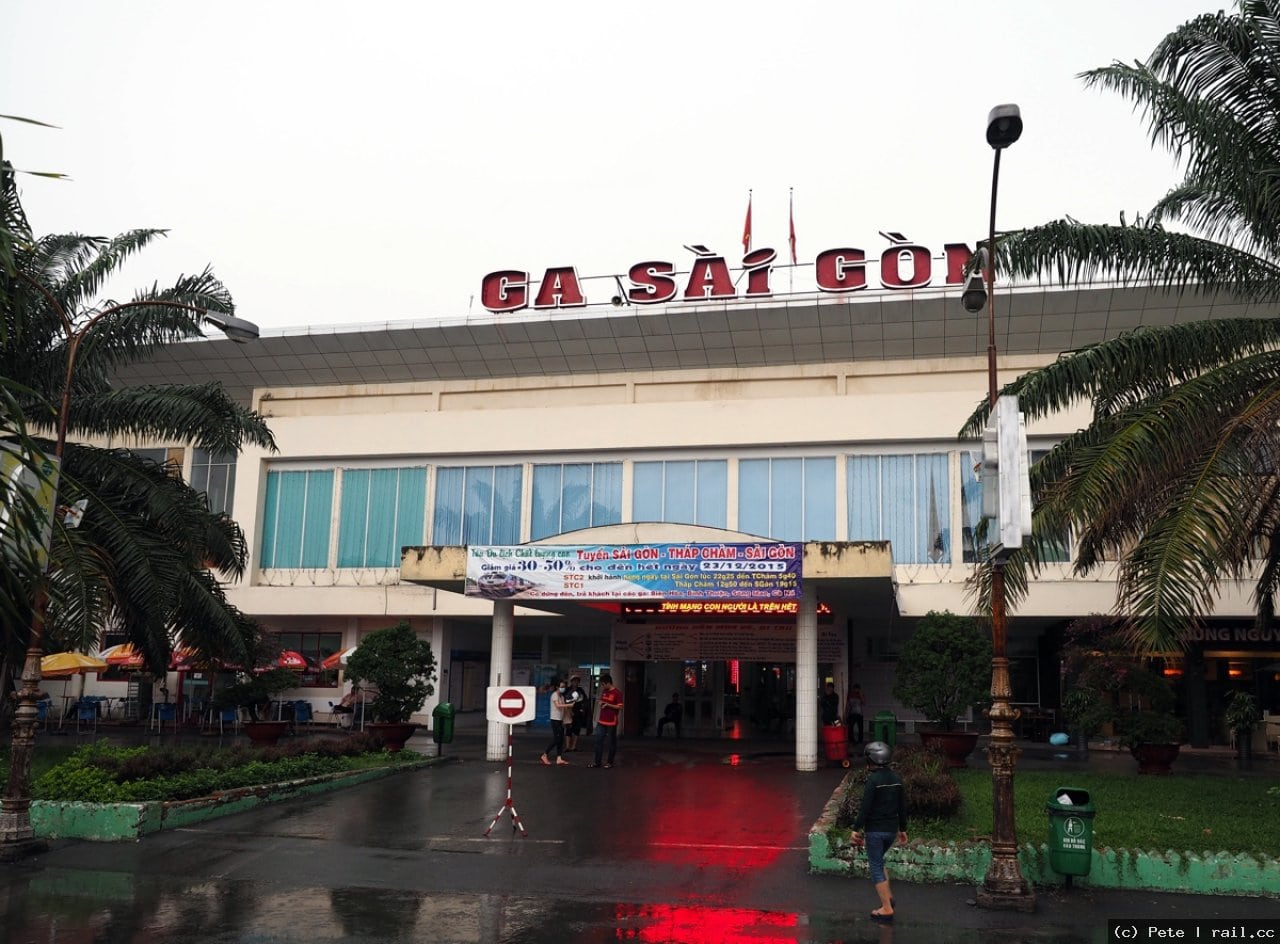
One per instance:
(761, 571)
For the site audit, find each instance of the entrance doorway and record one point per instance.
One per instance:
(719, 698)
(772, 698)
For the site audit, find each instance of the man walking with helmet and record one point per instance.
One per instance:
(882, 819)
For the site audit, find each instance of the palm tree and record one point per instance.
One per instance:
(1176, 476)
(145, 556)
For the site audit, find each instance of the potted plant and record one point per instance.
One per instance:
(400, 669)
(1150, 729)
(1241, 715)
(943, 671)
(252, 693)
(1099, 659)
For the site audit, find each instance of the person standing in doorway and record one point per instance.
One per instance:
(881, 820)
(580, 715)
(855, 706)
(829, 704)
(607, 722)
(560, 710)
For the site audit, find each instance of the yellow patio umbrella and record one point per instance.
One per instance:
(66, 664)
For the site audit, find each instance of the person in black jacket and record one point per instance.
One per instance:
(581, 714)
(829, 705)
(882, 819)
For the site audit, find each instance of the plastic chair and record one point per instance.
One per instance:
(229, 715)
(43, 708)
(86, 715)
(302, 713)
(162, 712)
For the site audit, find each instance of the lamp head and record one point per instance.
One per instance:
(974, 296)
(1004, 126)
(237, 329)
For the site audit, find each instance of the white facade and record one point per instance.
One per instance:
(854, 389)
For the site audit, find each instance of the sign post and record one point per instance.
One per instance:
(510, 705)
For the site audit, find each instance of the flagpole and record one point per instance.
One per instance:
(791, 237)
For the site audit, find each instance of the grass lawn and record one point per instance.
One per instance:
(1182, 812)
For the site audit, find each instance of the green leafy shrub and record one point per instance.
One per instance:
(105, 774)
(75, 780)
(931, 790)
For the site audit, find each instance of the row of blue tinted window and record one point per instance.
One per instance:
(904, 499)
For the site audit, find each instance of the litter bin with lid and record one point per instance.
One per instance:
(884, 727)
(442, 724)
(1071, 815)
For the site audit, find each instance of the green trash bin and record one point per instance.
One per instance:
(884, 727)
(1070, 831)
(442, 723)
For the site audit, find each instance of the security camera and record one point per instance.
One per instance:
(1004, 126)
(974, 296)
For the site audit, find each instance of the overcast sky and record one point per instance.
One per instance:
(341, 163)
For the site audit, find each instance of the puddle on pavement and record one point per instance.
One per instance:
(68, 907)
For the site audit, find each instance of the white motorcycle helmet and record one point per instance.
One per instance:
(879, 753)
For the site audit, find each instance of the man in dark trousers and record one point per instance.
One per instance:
(882, 819)
(607, 721)
(829, 704)
(855, 705)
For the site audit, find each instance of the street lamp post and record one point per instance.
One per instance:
(1003, 887)
(17, 837)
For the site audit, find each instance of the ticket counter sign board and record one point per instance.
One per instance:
(511, 704)
(767, 570)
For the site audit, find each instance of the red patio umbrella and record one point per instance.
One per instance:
(123, 656)
(336, 659)
(289, 659)
(188, 660)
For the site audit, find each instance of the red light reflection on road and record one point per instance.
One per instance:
(717, 816)
(662, 924)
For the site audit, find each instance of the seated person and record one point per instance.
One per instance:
(671, 715)
(346, 708)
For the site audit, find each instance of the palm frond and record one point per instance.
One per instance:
(1073, 252)
(200, 413)
(1131, 367)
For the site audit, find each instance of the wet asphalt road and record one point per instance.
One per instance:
(682, 842)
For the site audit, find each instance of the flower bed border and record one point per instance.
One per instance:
(129, 822)
(1213, 873)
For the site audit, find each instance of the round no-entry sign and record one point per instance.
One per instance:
(511, 704)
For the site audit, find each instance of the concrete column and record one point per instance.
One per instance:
(439, 638)
(504, 622)
(807, 680)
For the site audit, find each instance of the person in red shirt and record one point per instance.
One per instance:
(607, 722)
